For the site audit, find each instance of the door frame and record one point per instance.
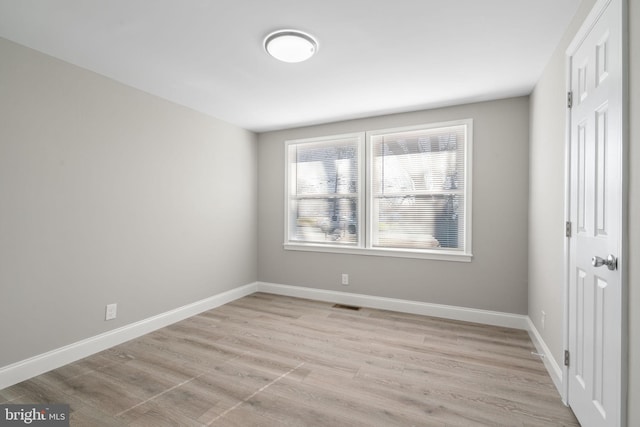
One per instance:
(623, 179)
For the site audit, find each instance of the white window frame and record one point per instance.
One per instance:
(326, 247)
(365, 212)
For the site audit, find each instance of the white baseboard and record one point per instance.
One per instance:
(495, 318)
(25, 369)
(555, 372)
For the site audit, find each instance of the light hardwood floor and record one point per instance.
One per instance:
(267, 360)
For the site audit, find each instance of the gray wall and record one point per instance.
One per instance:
(546, 192)
(634, 216)
(496, 279)
(108, 194)
(546, 212)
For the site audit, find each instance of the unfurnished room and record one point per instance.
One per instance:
(319, 213)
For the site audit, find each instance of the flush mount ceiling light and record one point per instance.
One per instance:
(290, 45)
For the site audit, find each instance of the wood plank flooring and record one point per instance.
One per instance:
(267, 360)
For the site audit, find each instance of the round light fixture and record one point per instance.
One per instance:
(290, 45)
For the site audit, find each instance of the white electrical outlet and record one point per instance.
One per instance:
(542, 318)
(111, 312)
(345, 279)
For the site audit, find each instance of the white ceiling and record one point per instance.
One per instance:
(375, 56)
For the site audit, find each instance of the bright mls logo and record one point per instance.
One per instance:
(34, 415)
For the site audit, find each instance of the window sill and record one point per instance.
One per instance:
(397, 253)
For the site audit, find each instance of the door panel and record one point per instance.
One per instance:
(595, 295)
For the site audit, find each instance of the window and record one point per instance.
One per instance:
(324, 196)
(395, 192)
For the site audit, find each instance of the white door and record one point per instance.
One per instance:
(595, 285)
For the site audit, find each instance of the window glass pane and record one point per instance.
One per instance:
(419, 222)
(323, 191)
(325, 220)
(418, 189)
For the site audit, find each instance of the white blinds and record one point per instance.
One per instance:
(324, 191)
(418, 188)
